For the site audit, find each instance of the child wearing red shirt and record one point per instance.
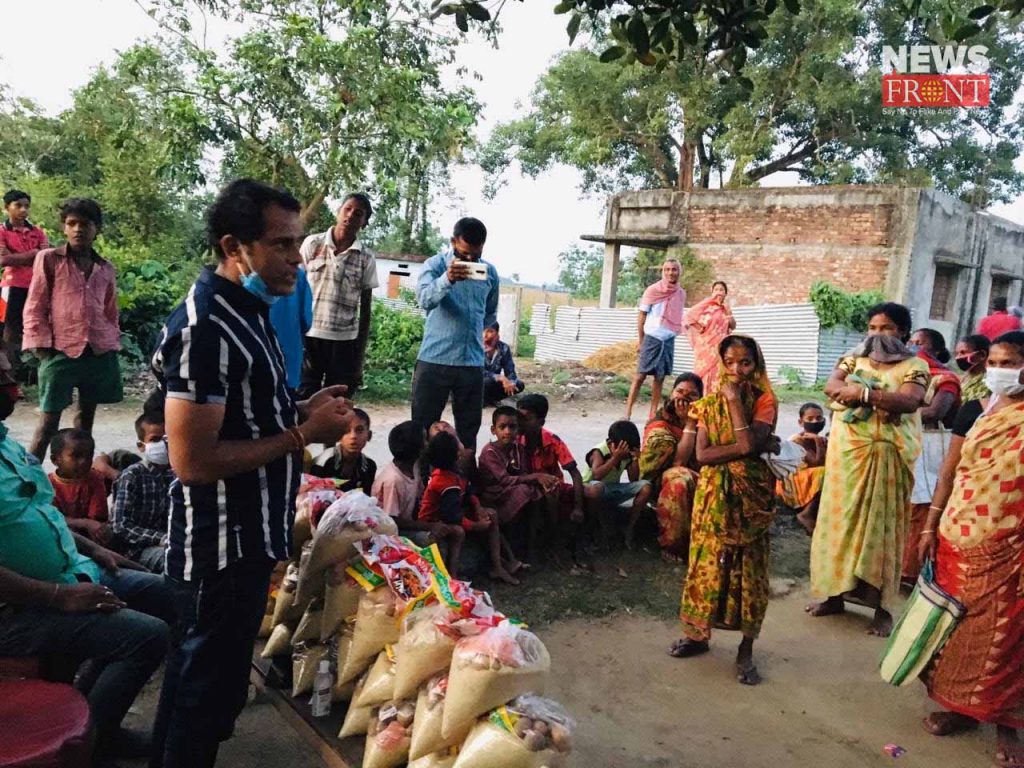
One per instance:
(445, 505)
(78, 490)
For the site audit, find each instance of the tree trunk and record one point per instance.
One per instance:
(311, 208)
(705, 164)
(687, 157)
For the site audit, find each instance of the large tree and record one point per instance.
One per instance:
(809, 102)
(320, 96)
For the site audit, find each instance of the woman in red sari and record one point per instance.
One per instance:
(707, 323)
(975, 532)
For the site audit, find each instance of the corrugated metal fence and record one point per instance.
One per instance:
(789, 335)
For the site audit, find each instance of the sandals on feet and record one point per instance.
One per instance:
(685, 648)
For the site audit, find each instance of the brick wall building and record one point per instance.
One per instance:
(918, 246)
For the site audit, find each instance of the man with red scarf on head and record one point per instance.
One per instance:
(659, 321)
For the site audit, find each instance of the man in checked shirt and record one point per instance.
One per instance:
(141, 501)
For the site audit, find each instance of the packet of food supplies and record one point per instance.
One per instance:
(427, 735)
(380, 682)
(285, 610)
(375, 626)
(309, 626)
(315, 495)
(423, 648)
(305, 662)
(529, 732)
(341, 601)
(341, 646)
(410, 575)
(279, 642)
(472, 610)
(445, 759)
(357, 719)
(492, 668)
(353, 517)
(388, 735)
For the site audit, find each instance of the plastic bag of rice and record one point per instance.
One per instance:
(490, 669)
(529, 732)
(305, 662)
(279, 643)
(341, 644)
(388, 735)
(423, 649)
(444, 759)
(285, 609)
(309, 626)
(375, 626)
(341, 601)
(427, 735)
(380, 682)
(357, 719)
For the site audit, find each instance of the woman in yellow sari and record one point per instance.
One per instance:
(727, 580)
(975, 533)
(666, 457)
(858, 542)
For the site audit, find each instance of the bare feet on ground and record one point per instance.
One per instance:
(1009, 750)
(881, 624)
(948, 723)
(830, 607)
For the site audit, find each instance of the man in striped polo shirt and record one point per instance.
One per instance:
(235, 436)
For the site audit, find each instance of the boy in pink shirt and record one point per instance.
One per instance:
(20, 241)
(71, 323)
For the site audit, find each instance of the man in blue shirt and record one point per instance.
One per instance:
(292, 317)
(459, 293)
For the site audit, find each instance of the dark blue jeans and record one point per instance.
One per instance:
(207, 676)
(125, 647)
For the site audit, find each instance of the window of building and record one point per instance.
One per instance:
(1000, 288)
(944, 292)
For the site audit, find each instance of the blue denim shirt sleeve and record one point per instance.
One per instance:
(433, 284)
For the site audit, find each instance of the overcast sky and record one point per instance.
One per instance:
(530, 221)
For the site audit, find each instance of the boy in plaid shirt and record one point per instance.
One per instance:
(141, 497)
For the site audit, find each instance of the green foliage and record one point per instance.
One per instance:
(655, 32)
(579, 271)
(395, 337)
(807, 103)
(835, 307)
(790, 376)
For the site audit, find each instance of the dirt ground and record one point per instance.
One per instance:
(822, 702)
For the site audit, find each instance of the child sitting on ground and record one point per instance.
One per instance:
(346, 461)
(398, 487)
(450, 512)
(802, 490)
(546, 453)
(78, 490)
(506, 484)
(141, 501)
(603, 473)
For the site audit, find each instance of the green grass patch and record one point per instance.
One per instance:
(527, 347)
(799, 395)
(384, 386)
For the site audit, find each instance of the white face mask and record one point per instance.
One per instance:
(156, 453)
(1004, 381)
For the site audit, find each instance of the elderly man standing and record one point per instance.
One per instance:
(342, 273)
(659, 321)
(459, 293)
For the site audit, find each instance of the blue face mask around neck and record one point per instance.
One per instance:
(254, 284)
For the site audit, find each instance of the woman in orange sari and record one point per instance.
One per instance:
(707, 323)
(975, 532)
(666, 460)
(727, 580)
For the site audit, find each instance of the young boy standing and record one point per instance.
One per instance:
(142, 497)
(78, 490)
(71, 323)
(398, 486)
(20, 241)
(606, 463)
(346, 461)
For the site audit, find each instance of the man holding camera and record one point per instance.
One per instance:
(459, 293)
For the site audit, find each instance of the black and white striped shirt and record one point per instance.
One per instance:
(218, 347)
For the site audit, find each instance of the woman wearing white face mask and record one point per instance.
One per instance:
(141, 501)
(975, 533)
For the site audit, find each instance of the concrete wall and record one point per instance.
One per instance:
(772, 244)
(409, 271)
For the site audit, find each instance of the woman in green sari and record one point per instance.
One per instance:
(857, 549)
(727, 580)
